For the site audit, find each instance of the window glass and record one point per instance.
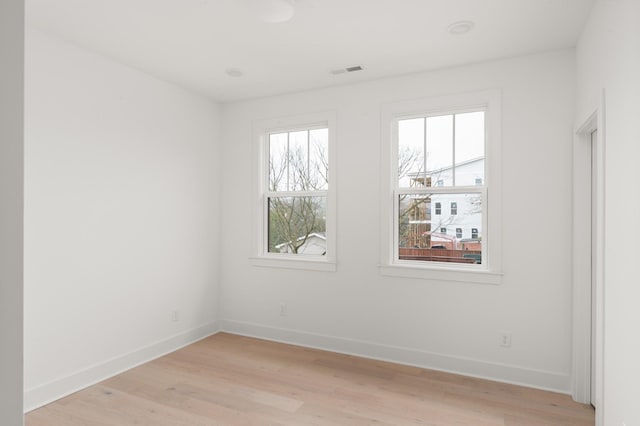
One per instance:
(319, 158)
(297, 225)
(469, 147)
(410, 152)
(437, 154)
(440, 147)
(298, 169)
(278, 162)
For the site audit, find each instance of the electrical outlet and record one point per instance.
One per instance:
(175, 317)
(283, 310)
(505, 339)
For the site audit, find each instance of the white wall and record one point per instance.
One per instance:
(608, 57)
(121, 217)
(11, 199)
(446, 325)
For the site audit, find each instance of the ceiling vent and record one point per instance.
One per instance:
(348, 69)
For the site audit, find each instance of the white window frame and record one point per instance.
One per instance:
(490, 271)
(260, 255)
(476, 233)
(459, 232)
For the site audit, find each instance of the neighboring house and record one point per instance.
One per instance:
(316, 244)
(453, 221)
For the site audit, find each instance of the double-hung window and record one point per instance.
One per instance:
(296, 205)
(443, 152)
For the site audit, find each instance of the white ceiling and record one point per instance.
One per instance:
(193, 42)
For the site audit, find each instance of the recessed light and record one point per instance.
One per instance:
(234, 72)
(460, 27)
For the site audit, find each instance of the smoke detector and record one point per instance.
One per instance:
(460, 27)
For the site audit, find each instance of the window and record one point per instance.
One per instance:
(296, 193)
(452, 143)
(296, 212)
(474, 233)
(447, 149)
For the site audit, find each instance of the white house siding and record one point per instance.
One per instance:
(468, 215)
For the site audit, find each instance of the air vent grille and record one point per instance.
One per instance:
(346, 70)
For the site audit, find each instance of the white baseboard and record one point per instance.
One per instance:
(44, 394)
(545, 380)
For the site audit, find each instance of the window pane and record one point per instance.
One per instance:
(278, 173)
(414, 221)
(411, 153)
(297, 225)
(440, 149)
(299, 161)
(319, 158)
(469, 148)
(423, 236)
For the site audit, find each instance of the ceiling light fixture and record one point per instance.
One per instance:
(460, 27)
(234, 72)
(273, 11)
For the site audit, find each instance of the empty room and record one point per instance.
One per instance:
(319, 212)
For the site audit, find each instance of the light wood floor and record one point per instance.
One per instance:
(233, 380)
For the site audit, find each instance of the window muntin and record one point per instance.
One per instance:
(439, 161)
(296, 194)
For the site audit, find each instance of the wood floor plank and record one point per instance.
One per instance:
(234, 380)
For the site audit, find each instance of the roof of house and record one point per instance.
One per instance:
(442, 169)
(321, 235)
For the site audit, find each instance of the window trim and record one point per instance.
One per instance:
(260, 176)
(490, 272)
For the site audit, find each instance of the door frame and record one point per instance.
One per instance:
(588, 263)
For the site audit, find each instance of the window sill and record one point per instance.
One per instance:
(290, 263)
(442, 274)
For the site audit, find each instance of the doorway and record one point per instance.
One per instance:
(588, 261)
(594, 263)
